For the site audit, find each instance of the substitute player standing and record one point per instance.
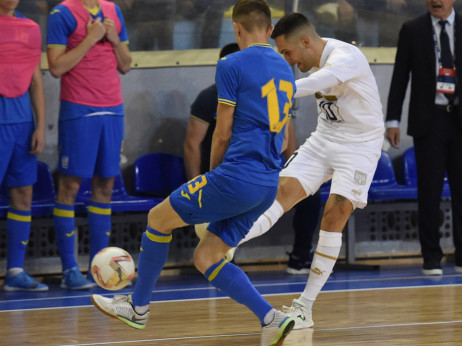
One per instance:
(21, 140)
(87, 47)
(346, 145)
(255, 94)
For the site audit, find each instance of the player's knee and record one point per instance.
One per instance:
(339, 205)
(155, 219)
(21, 197)
(289, 192)
(201, 260)
(67, 191)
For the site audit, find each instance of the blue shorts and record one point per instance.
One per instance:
(230, 205)
(91, 146)
(17, 166)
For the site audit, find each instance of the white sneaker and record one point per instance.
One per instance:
(120, 307)
(275, 332)
(432, 272)
(300, 313)
(458, 269)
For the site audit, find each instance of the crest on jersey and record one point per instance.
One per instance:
(65, 161)
(360, 178)
(328, 109)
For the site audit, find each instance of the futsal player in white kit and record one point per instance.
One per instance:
(346, 145)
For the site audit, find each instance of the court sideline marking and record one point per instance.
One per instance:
(213, 298)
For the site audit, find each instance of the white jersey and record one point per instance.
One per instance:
(347, 96)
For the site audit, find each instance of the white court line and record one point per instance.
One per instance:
(249, 334)
(265, 295)
(285, 283)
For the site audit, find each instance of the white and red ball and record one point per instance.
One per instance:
(112, 268)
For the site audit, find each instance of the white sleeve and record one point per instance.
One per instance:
(317, 81)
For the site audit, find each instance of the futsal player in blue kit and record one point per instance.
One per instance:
(87, 47)
(21, 138)
(255, 95)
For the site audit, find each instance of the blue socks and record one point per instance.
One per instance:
(234, 282)
(99, 223)
(18, 231)
(153, 255)
(65, 234)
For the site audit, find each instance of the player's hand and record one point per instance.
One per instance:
(393, 135)
(95, 29)
(37, 142)
(111, 33)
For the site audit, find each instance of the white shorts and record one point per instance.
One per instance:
(350, 165)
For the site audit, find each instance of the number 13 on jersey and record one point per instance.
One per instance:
(270, 92)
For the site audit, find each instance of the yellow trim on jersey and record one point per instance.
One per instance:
(17, 217)
(217, 270)
(100, 211)
(63, 46)
(267, 45)
(197, 118)
(94, 11)
(159, 238)
(63, 212)
(227, 102)
(54, 11)
(125, 43)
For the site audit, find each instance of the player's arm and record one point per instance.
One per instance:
(197, 129)
(38, 103)
(222, 134)
(61, 61)
(289, 140)
(319, 80)
(121, 50)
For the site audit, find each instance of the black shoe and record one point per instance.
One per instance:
(298, 266)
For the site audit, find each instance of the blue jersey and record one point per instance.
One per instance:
(61, 24)
(16, 109)
(260, 84)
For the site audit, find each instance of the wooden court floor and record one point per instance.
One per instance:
(393, 316)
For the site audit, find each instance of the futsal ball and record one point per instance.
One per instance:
(112, 268)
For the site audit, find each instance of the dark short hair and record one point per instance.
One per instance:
(228, 49)
(288, 24)
(252, 14)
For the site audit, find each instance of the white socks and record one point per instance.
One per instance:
(324, 259)
(265, 222)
